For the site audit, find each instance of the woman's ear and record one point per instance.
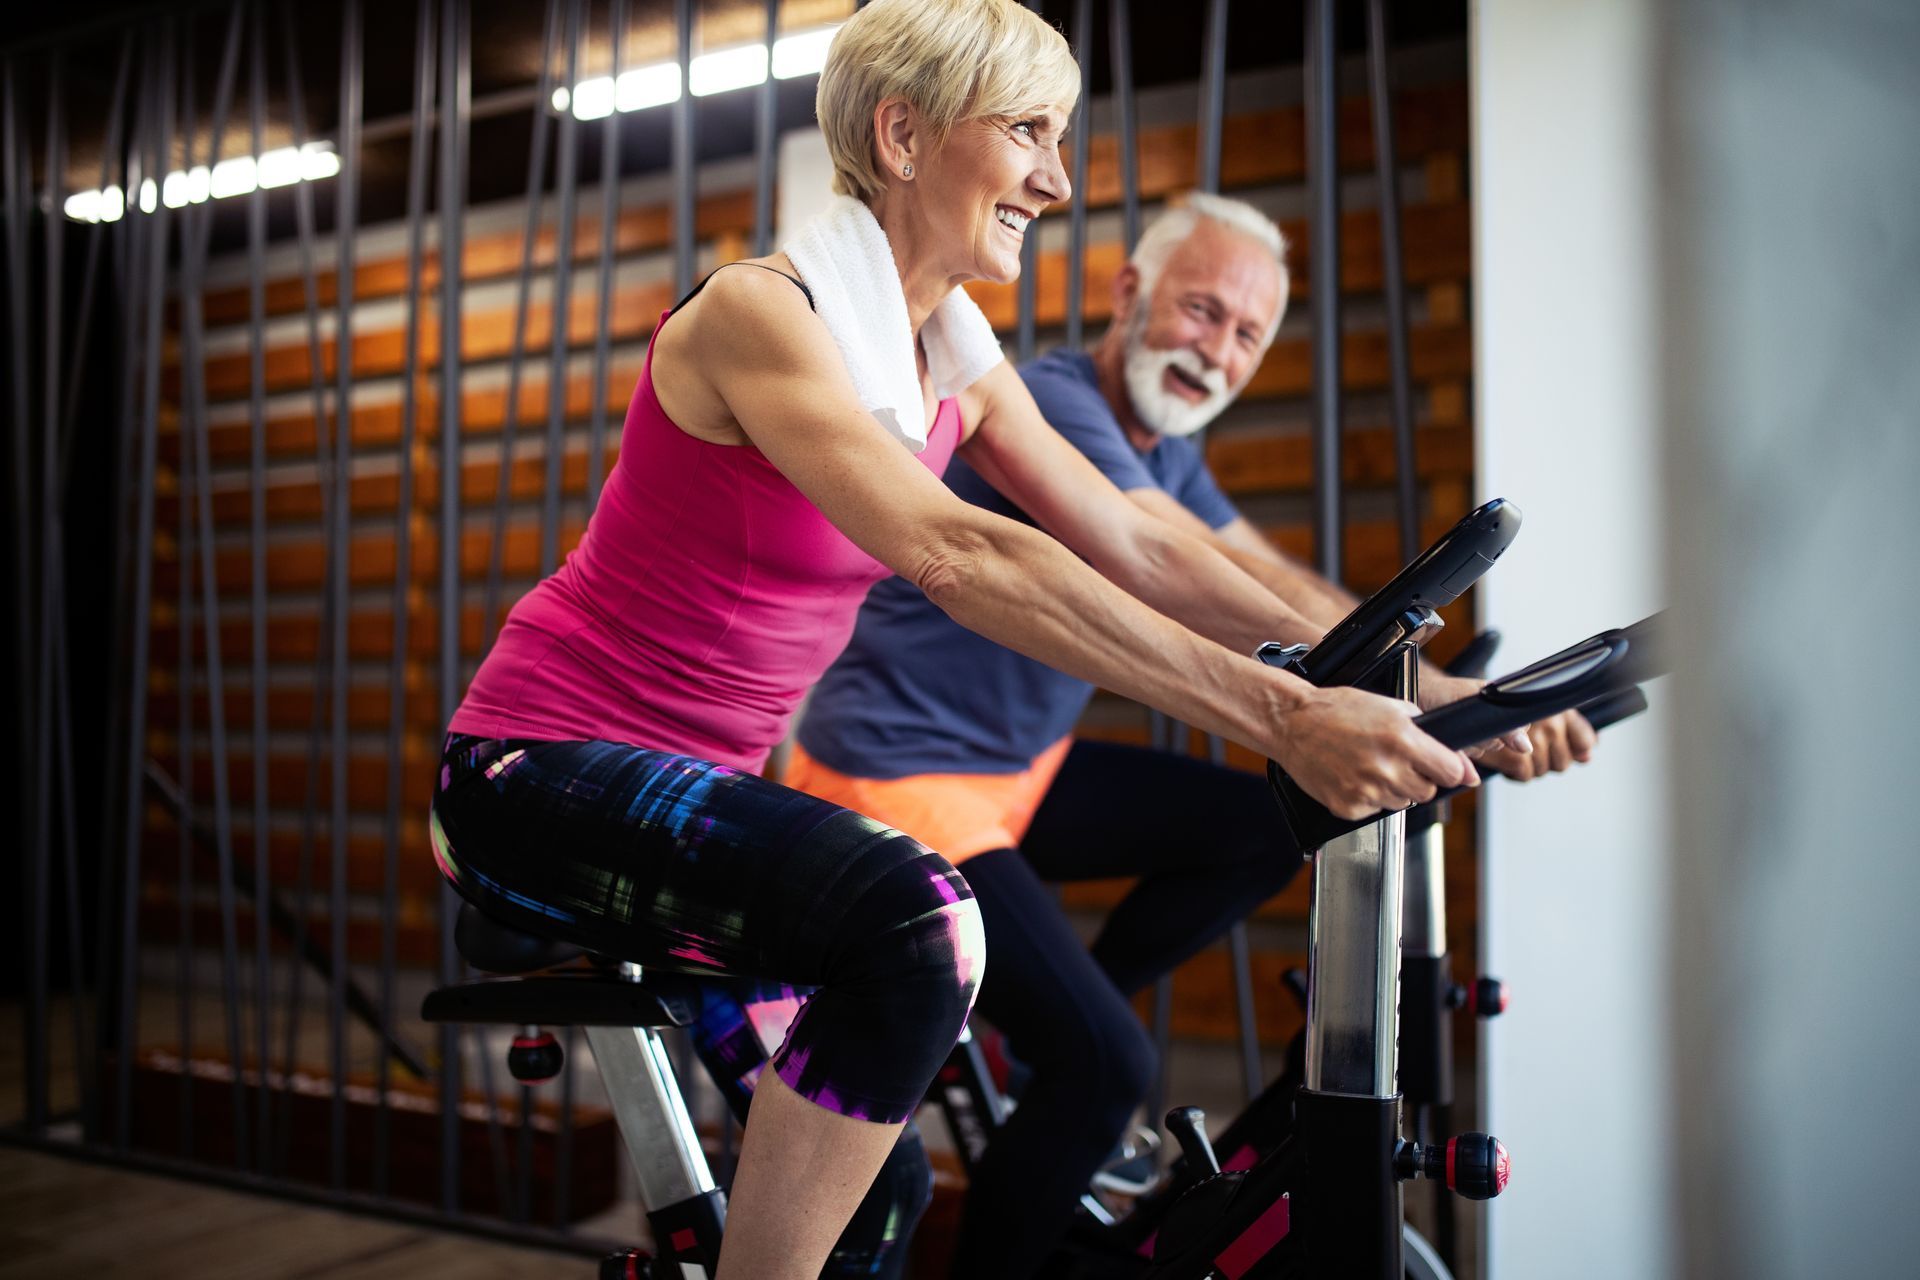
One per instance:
(895, 136)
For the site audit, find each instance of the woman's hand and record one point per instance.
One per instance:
(1359, 753)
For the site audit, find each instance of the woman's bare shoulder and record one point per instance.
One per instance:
(744, 326)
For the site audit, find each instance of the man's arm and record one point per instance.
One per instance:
(1561, 741)
(1310, 594)
(1182, 576)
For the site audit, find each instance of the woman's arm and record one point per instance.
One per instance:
(752, 340)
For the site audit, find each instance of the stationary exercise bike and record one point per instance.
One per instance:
(1430, 998)
(1327, 1201)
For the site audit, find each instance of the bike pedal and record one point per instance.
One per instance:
(1131, 1177)
(1140, 1140)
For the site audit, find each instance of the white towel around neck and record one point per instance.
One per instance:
(844, 257)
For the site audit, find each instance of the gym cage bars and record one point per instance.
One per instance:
(266, 696)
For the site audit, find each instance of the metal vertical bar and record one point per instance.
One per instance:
(455, 100)
(1213, 93)
(564, 180)
(129, 275)
(1251, 1075)
(1025, 322)
(116, 111)
(516, 355)
(332, 492)
(1387, 168)
(420, 141)
(346, 226)
(1166, 733)
(160, 106)
(496, 1136)
(194, 427)
(563, 1142)
(685, 170)
(1082, 144)
(766, 124)
(1120, 43)
(1323, 198)
(609, 225)
(522, 1207)
(1213, 110)
(184, 551)
(60, 679)
(63, 728)
(107, 860)
(40, 864)
(257, 574)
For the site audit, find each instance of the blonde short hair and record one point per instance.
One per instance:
(953, 60)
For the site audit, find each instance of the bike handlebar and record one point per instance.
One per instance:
(1348, 653)
(1602, 672)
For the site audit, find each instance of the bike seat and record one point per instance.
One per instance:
(492, 947)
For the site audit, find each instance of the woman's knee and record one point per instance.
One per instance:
(914, 936)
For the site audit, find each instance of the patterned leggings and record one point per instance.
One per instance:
(737, 1028)
(685, 865)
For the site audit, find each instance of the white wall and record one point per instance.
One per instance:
(1790, 255)
(1573, 907)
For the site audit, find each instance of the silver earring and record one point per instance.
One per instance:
(907, 172)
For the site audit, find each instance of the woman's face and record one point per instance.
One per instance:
(991, 179)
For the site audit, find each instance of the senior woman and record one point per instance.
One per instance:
(599, 778)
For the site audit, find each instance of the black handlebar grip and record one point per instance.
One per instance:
(1471, 721)
(1615, 707)
(1583, 674)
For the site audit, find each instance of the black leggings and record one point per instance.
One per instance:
(678, 863)
(1208, 847)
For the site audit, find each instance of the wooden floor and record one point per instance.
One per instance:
(69, 1219)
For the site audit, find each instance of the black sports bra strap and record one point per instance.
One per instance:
(798, 282)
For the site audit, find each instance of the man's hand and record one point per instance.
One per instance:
(1437, 689)
(1559, 743)
(1359, 753)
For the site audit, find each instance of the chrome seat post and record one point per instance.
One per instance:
(650, 1110)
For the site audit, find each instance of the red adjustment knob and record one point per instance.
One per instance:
(1487, 998)
(628, 1264)
(535, 1059)
(1474, 1164)
(1477, 1166)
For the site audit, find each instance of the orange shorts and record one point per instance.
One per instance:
(955, 814)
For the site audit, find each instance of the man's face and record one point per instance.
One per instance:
(1193, 344)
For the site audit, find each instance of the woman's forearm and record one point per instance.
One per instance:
(1021, 588)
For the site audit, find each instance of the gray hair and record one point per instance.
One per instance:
(1172, 228)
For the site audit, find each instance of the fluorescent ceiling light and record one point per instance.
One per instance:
(235, 177)
(723, 70)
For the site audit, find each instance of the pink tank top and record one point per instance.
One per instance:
(705, 598)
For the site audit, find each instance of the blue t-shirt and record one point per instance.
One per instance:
(915, 692)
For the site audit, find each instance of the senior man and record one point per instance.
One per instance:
(968, 746)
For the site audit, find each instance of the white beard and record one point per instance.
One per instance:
(1161, 410)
